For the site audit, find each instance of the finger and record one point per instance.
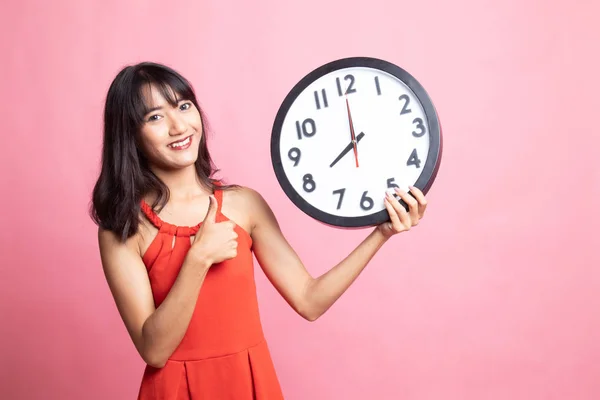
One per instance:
(233, 249)
(404, 216)
(395, 221)
(413, 205)
(211, 214)
(232, 235)
(418, 194)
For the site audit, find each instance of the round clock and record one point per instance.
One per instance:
(348, 132)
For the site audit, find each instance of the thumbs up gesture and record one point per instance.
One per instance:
(215, 241)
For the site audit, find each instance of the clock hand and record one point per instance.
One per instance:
(352, 132)
(347, 149)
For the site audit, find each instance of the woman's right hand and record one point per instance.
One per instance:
(215, 241)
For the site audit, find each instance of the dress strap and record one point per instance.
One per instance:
(219, 197)
(150, 214)
(167, 227)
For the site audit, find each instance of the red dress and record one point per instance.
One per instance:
(223, 354)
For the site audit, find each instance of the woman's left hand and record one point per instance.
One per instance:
(400, 219)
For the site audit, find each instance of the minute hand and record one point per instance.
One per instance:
(347, 149)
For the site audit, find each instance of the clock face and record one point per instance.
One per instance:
(350, 131)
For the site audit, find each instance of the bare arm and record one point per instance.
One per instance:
(324, 291)
(312, 297)
(156, 333)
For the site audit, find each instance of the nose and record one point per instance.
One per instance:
(178, 125)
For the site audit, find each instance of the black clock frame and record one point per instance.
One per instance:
(430, 169)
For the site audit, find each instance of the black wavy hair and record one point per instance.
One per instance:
(125, 177)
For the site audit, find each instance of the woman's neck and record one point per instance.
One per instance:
(183, 184)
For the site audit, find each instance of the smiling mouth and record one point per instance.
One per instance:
(181, 144)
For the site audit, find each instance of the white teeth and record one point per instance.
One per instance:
(180, 144)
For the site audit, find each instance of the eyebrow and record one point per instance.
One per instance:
(153, 109)
(161, 107)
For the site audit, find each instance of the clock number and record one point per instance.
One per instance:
(341, 193)
(350, 88)
(308, 129)
(294, 155)
(405, 109)
(366, 203)
(391, 184)
(309, 184)
(420, 126)
(318, 100)
(377, 86)
(414, 159)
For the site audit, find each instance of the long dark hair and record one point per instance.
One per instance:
(125, 177)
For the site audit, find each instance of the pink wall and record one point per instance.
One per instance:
(500, 296)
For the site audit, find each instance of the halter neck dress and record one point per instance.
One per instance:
(223, 355)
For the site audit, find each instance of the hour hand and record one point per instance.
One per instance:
(349, 147)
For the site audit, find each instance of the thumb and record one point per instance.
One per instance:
(212, 209)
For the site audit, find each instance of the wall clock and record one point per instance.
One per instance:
(349, 131)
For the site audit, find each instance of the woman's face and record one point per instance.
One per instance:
(169, 135)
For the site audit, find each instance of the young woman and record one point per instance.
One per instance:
(176, 247)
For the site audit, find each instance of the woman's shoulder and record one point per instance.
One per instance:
(246, 198)
(245, 204)
(243, 195)
(109, 241)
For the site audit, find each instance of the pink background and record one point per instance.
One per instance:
(499, 297)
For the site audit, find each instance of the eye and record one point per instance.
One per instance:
(185, 106)
(154, 117)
